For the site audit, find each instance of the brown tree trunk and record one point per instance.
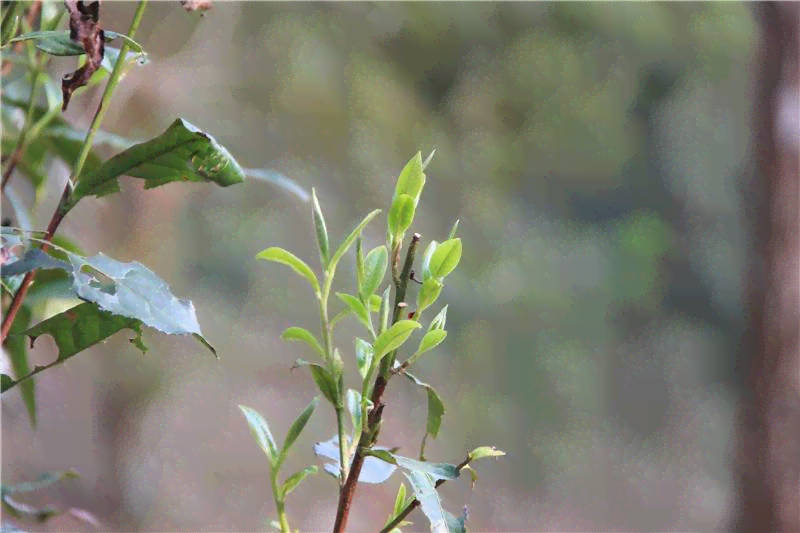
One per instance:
(767, 469)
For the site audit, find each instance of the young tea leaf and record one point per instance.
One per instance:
(411, 179)
(279, 255)
(324, 380)
(430, 341)
(348, 242)
(321, 230)
(400, 499)
(446, 257)
(75, 330)
(453, 230)
(428, 293)
(355, 305)
(353, 401)
(426, 259)
(363, 356)
(401, 215)
(294, 480)
(485, 451)
(394, 337)
(295, 429)
(181, 153)
(260, 430)
(384, 312)
(374, 270)
(439, 321)
(428, 160)
(300, 334)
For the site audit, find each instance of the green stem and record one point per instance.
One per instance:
(280, 505)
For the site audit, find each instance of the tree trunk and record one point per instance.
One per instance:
(767, 469)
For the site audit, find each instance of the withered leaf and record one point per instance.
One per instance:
(84, 29)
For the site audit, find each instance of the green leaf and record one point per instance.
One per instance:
(400, 499)
(484, 451)
(384, 455)
(411, 179)
(401, 214)
(18, 353)
(436, 470)
(279, 255)
(300, 334)
(384, 312)
(260, 430)
(428, 293)
(295, 429)
(435, 406)
(374, 270)
(363, 356)
(132, 290)
(439, 321)
(375, 303)
(428, 160)
(431, 503)
(426, 259)
(324, 380)
(353, 401)
(431, 340)
(321, 230)
(294, 480)
(453, 231)
(355, 305)
(446, 257)
(58, 43)
(394, 337)
(181, 153)
(359, 264)
(75, 330)
(348, 242)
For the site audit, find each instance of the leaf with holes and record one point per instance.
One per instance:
(132, 290)
(75, 330)
(181, 153)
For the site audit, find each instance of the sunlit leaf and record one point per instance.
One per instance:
(295, 429)
(374, 271)
(348, 242)
(446, 257)
(394, 337)
(300, 334)
(279, 255)
(260, 430)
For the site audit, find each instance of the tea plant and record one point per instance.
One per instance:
(41, 266)
(388, 327)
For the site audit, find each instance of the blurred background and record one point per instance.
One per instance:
(598, 157)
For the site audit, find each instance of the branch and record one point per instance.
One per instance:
(370, 433)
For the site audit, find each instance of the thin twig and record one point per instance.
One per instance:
(370, 433)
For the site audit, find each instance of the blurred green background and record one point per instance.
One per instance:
(597, 156)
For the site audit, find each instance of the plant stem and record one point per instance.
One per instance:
(415, 503)
(370, 432)
(280, 505)
(61, 210)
